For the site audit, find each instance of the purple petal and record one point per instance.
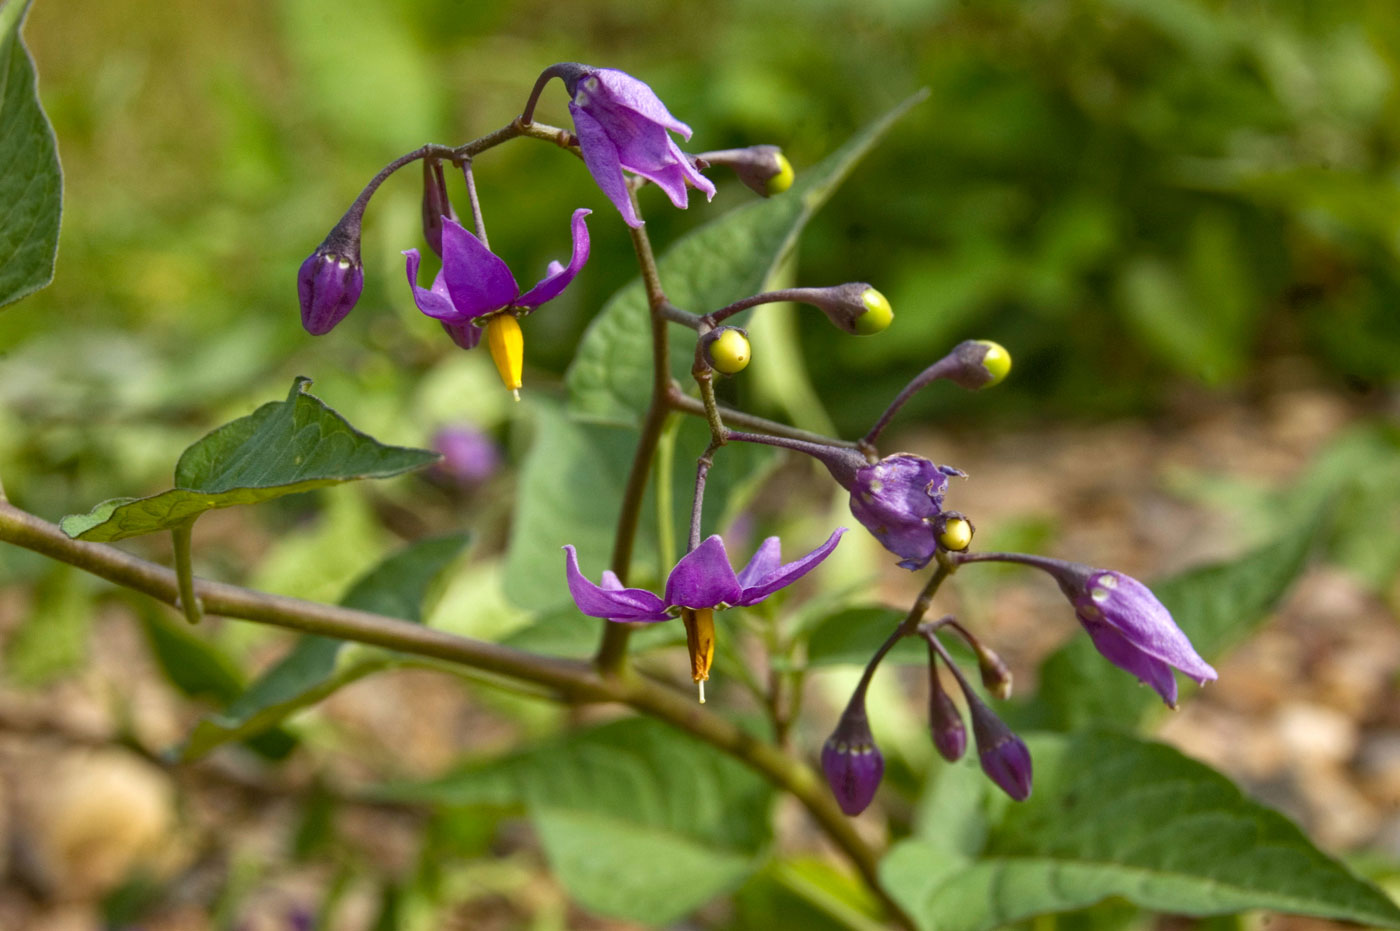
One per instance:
(766, 558)
(895, 499)
(616, 89)
(1121, 652)
(600, 156)
(703, 578)
(777, 578)
(559, 277)
(477, 280)
(614, 604)
(1130, 607)
(434, 303)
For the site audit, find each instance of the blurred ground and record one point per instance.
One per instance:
(1305, 716)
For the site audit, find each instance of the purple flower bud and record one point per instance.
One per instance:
(762, 168)
(1003, 755)
(945, 722)
(850, 760)
(329, 282)
(469, 457)
(436, 204)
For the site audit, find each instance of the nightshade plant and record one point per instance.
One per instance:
(684, 844)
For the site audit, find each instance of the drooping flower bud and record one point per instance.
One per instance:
(851, 762)
(996, 675)
(953, 531)
(1003, 755)
(762, 168)
(727, 349)
(329, 282)
(436, 204)
(944, 720)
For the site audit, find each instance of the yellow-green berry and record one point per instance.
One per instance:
(878, 313)
(727, 350)
(955, 534)
(783, 179)
(997, 361)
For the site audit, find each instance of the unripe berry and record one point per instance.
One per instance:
(997, 361)
(953, 531)
(727, 349)
(783, 179)
(878, 313)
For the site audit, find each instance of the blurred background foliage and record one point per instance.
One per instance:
(1140, 198)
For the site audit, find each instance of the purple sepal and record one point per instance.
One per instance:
(896, 499)
(621, 124)
(609, 600)
(328, 285)
(851, 762)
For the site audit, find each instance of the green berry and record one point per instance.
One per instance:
(878, 313)
(728, 350)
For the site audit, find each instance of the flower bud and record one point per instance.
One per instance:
(996, 675)
(763, 168)
(727, 349)
(945, 722)
(1003, 755)
(436, 205)
(469, 457)
(953, 531)
(851, 762)
(328, 285)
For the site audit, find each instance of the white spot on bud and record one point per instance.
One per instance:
(1099, 594)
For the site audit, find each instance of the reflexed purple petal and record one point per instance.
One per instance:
(703, 578)
(611, 582)
(1129, 606)
(466, 335)
(434, 303)
(600, 156)
(477, 280)
(614, 604)
(559, 276)
(782, 576)
(766, 558)
(616, 89)
(1121, 652)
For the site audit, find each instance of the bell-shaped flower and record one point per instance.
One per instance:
(475, 285)
(701, 583)
(898, 499)
(622, 125)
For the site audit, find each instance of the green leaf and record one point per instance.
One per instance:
(280, 449)
(1112, 815)
(722, 261)
(313, 669)
(53, 638)
(851, 635)
(31, 183)
(1216, 606)
(638, 821)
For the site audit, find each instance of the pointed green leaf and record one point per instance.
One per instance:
(1115, 816)
(282, 448)
(1216, 606)
(31, 183)
(638, 820)
(732, 257)
(397, 587)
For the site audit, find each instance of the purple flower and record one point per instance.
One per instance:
(1131, 628)
(475, 283)
(701, 583)
(851, 762)
(622, 124)
(898, 499)
(469, 457)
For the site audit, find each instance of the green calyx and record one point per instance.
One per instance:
(878, 313)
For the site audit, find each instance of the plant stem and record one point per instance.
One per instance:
(570, 680)
(688, 405)
(184, 572)
(665, 462)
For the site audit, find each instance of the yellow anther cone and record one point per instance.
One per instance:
(507, 345)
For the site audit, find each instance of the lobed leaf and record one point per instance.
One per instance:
(282, 448)
(31, 182)
(1113, 815)
(729, 258)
